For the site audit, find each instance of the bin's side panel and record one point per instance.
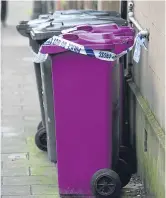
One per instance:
(116, 111)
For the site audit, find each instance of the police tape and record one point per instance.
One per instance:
(80, 49)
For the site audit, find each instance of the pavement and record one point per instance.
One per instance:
(26, 171)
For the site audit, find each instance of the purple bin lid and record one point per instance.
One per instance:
(123, 30)
(112, 39)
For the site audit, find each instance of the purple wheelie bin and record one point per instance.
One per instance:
(88, 163)
(126, 153)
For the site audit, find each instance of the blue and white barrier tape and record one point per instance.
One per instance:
(80, 49)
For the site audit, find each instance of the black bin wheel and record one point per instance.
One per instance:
(41, 139)
(129, 156)
(40, 125)
(105, 183)
(124, 171)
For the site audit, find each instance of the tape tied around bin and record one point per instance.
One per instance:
(80, 49)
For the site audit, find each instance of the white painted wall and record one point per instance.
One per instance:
(149, 74)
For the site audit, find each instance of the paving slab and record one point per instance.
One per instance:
(14, 157)
(29, 180)
(45, 189)
(17, 110)
(45, 170)
(12, 132)
(16, 171)
(15, 190)
(8, 129)
(14, 145)
(12, 123)
(14, 148)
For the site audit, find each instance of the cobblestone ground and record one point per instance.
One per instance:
(26, 171)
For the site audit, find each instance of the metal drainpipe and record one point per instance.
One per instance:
(126, 110)
(127, 13)
(124, 9)
(134, 23)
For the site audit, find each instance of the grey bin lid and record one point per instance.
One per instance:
(90, 12)
(78, 12)
(73, 18)
(24, 28)
(70, 12)
(103, 13)
(47, 30)
(75, 12)
(59, 18)
(64, 12)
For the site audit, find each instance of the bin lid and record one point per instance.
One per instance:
(70, 12)
(47, 30)
(89, 41)
(77, 12)
(35, 22)
(45, 16)
(90, 12)
(24, 29)
(123, 30)
(59, 18)
(103, 13)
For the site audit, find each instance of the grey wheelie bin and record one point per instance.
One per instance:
(40, 35)
(24, 28)
(45, 138)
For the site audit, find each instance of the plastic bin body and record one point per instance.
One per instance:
(35, 47)
(117, 77)
(46, 77)
(83, 103)
(39, 36)
(83, 110)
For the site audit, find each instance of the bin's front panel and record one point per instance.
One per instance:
(83, 112)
